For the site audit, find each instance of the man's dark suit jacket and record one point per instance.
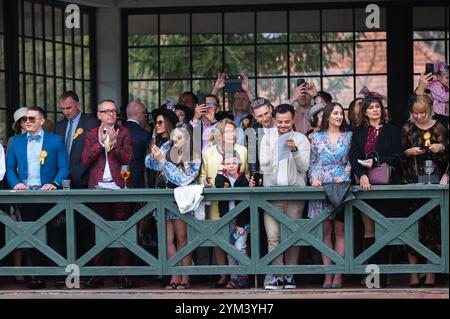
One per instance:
(141, 140)
(79, 174)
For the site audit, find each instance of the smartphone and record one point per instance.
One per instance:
(300, 81)
(201, 100)
(233, 83)
(429, 68)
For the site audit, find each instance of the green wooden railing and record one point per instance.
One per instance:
(302, 232)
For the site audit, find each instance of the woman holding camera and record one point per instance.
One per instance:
(375, 142)
(425, 146)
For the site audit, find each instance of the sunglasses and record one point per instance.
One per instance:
(30, 119)
(109, 112)
(211, 104)
(259, 102)
(159, 123)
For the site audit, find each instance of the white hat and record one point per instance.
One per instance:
(316, 108)
(18, 114)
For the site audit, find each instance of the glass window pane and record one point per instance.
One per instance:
(427, 52)
(48, 22)
(86, 30)
(69, 63)
(144, 91)
(59, 86)
(240, 59)
(68, 36)
(304, 26)
(361, 30)
(20, 55)
(173, 89)
(59, 24)
(337, 58)
(239, 27)
(273, 89)
(30, 91)
(50, 95)
(143, 63)
(2, 90)
(87, 97)
(206, 61)
(39, 57)
(2, 55)
(371, 57)
(142, 30)
(175, 62)
(78, 70)
(337, 24)
(38, 20)
(59, 59)
(78, 87)
(29, 61)
(28, 18)
(70, 85)
(341, 88)
(272, 60)
(271, 26)
(206, 28)
(40, 98)
(87, 67)
(305, 59)
(428, 35)
(203, 87)
(174, 29)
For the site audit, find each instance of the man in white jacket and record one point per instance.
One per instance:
(284, 160)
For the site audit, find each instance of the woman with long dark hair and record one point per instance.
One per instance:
(179, 167)
(329, 163)
(375, 142)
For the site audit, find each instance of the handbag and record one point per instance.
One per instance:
(380, 174)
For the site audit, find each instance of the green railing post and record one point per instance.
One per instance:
(444, 230)
(349, 249)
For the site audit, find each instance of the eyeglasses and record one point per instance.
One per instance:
(159, 123)
(259, 102)
(31, 119)
(109, 112)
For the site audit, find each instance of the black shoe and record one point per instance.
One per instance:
(125, 283)
(36, 284)
(93, 283)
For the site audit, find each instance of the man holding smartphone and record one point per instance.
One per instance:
(304, 95)
(205, 119)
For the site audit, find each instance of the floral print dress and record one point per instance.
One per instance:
(328, 163)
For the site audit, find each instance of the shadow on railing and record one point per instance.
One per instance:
(298, 232)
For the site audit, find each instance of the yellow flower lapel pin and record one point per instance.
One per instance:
(78, 132)
(43, 155)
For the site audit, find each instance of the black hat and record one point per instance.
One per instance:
(168, 114)
(187, 111)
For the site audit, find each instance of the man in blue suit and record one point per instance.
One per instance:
(37, 160)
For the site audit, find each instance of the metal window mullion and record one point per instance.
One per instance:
(83, 106)
(159, 59)
(63, 35)
(321, 49)
(54, 58)
(191, 68)
(223, 56)
(24, 80)
(44, 60)
(255, 50)
(34, 54)
(288, 53)
(354, 53)
(73, 60)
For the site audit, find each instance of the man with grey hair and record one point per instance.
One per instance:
(136, 116)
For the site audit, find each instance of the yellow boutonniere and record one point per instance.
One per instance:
(43, 155)
(245, 123)
(77, 133)
(427, 137)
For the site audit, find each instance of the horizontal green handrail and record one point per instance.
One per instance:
(215, 233)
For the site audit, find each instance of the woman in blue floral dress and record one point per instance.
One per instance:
(330, 163)
(179, 167)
